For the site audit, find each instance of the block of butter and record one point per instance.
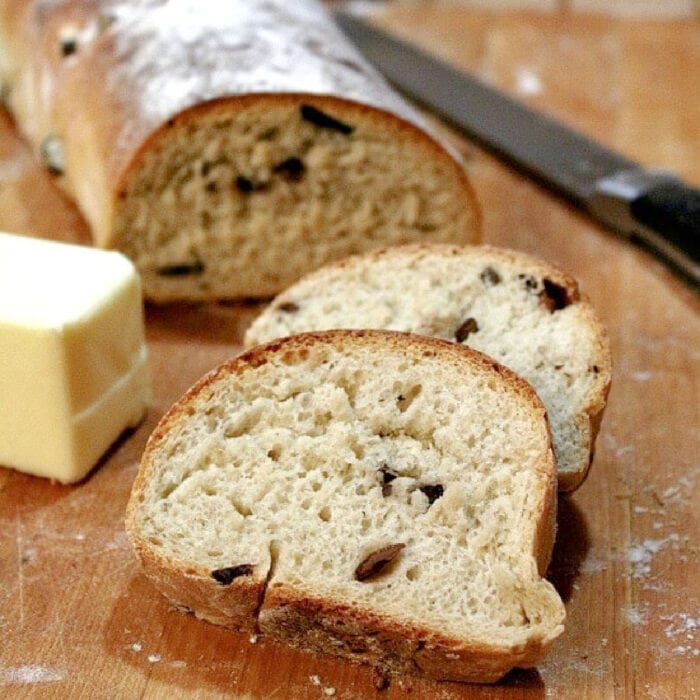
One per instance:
(73, 364)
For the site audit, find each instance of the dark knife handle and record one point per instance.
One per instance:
(673, 209)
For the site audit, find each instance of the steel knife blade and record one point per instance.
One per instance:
(651, 206)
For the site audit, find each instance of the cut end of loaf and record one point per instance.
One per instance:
(375, 495)
(240, 197)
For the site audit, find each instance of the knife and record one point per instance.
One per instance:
(650, 206)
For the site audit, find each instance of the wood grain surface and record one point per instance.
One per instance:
(78, 619)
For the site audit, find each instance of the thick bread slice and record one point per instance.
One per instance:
(226, 151)
(524, 312)
(280, 484)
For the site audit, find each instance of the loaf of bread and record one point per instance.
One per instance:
(524, 312)
(227, 148)
(380, 496)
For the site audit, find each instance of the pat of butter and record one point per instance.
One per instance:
(73, 365)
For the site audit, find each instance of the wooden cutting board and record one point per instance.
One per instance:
(78, 619)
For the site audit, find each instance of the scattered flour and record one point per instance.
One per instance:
(693, 651)
(619, 450)
(592, 565)
(640, 556)
(30, 674)
(641, 376)
(683, 628)
(681, 624)
(636, 617)
(527, 82)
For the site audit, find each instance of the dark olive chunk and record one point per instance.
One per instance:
(373, 564)
(554, 296)
(529, 281)
(465, 329)
(196, 267)
(387, 474)
(227, 575)
(432, 491)
(490, 277)
(288, 307)
(244, 184)
(292, 168)
(324, 121)
(69, 45)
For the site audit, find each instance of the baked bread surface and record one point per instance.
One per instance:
(226, 151)
(524, 312)
(379, 496)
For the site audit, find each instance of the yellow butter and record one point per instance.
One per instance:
(73, 361)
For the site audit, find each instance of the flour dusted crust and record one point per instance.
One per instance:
(526, 313)
(112, 93)
(181, 497)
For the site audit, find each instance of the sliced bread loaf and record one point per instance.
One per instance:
(524, 312)
(380, 496)
(230, 150)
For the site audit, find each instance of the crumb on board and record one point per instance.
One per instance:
(315, 680)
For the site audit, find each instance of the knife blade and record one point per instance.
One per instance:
(650, 206)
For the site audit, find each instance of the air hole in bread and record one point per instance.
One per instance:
(325, 514)
(413, 574)
(242, 508)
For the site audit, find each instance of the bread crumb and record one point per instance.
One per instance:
(154, 658)
(315, 680)
(136, 647)
(253, 639)
(329, 691)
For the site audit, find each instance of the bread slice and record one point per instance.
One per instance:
(226, 151)
(524, 312)
(379, 496)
